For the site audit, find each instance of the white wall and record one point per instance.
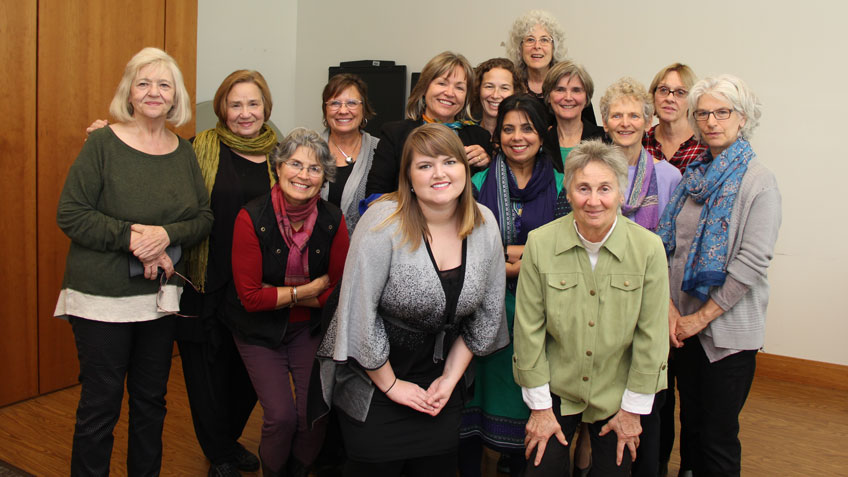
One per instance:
(251, 34)
(789, 57)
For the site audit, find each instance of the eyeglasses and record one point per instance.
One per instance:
(664, 91)
(543, 41)
(313, 170)
(720, 114)
(163, 280)
(352, 104)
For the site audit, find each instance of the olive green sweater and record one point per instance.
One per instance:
(112, 186)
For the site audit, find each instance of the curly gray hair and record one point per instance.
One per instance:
(522, 27)
(627, 87)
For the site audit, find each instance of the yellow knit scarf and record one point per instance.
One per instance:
(207, 147)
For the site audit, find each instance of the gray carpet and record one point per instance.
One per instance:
(9, 470)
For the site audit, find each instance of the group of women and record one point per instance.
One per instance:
(488, 272)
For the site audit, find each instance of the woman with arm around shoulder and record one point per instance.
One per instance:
(719, 231)
(289, 248)
(346, 111)
(134, 191)
(672, 138)
(441, 95)
(423, 293)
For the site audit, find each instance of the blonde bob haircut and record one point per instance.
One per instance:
(121, 108)
(687, 76)
(441, 65)
(522, 27)
(627, 87)
(560, 71)
(432, 140)
(219, 102)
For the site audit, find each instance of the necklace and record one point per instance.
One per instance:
(348, 158)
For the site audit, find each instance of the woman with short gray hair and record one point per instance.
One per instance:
(288, 256)
(719, 231)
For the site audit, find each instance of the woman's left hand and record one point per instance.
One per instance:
(439, 393)
(477, 156)
(147, 242)
(627, 427)
(688, 326)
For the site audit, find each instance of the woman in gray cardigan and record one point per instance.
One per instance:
(719, 231)
(422, 292)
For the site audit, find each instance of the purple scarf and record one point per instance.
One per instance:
(642, 204)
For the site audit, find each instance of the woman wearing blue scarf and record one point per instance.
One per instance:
(520, 187)
(719, 231)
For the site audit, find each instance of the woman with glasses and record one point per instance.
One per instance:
(719, 231)
(346, 111)
(441, 95)
(289, 249)
(672, 138)
(422, 293)
(132, 203)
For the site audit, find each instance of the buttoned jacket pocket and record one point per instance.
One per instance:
(625, 301)
(561, 302)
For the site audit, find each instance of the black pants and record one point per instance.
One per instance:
(711, 398)
(557, 463)
(220, 394)
(431, 466)
(109, 353)
(647, 463)
(667, 416)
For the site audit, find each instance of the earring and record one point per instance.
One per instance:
(364, 122)
(324, 121)
(412, 190)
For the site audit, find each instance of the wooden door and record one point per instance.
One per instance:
(18, 325)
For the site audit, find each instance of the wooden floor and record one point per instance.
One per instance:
(787, 430)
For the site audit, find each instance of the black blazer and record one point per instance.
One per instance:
(551, 144)
(383, 177)
(267, 328)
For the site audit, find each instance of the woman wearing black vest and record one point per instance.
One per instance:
(288, 256)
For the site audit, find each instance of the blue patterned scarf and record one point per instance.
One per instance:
(713, 182)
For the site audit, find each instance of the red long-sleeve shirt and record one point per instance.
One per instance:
(247, 269)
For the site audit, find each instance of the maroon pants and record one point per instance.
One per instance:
(285, 430)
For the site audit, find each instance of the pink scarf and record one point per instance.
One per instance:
(297, 265)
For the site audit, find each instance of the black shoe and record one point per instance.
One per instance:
(296, 468)
(226, 469)
(246, 460)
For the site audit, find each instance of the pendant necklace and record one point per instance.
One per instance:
(348, 159)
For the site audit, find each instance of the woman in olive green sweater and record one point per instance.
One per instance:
(133, 199)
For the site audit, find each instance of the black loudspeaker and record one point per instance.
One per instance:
(386, 89)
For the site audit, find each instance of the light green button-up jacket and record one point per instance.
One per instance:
(592, 334)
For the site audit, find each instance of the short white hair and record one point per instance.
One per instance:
(733, 90)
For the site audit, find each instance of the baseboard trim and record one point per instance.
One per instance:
(802, 371)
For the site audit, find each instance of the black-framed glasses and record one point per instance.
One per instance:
(352, 104)
(720, 114)
(163, 280)
(532, 40)
(313, 170)
(679, 93)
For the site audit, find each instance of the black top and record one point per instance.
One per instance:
(383, 177)
(551, 140)
(337, 187)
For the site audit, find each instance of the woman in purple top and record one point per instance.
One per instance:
(627, 109)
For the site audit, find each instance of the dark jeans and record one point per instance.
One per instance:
(711, 398)
(647, 463)
(108, 353)
(285, 430)
(557, 463)
(430, 466)
(220, 393)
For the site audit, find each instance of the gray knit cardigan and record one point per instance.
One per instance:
(390, 293)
